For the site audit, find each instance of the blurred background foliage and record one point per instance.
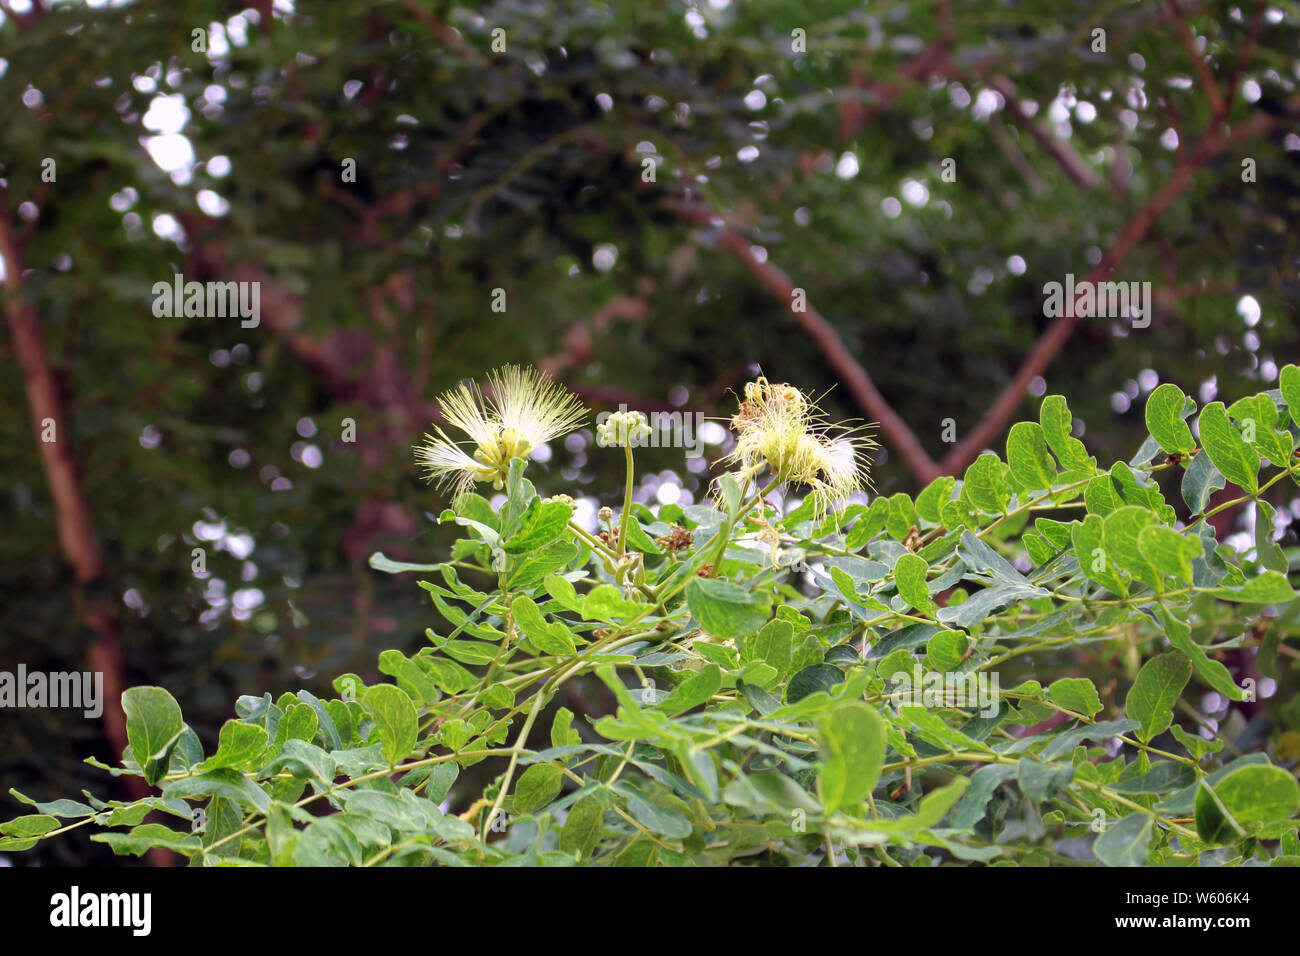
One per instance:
(815, 131)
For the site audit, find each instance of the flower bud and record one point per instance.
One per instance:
(621, 429)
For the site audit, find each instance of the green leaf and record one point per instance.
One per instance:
(562, 732)
(1125, 843)
(520, 495)
(1164, 417)
(1214, 822)
(902, 516)
(606, 603)
(1258, 417)
(985, 486)
(583, 828)
(554, 556)
(1195, 745)
(537, 786)
(563, 591)
(868, 525)
(542, 524)
(731, 494)
(1102, 730)
(1057, 533)
(811, 679)
(304, 760)
(771, 645)
(1090, 552)
(1168, 551)
(1244, 800)
(1040, 552)
(396, 723)
(934, 805)
(1289, 384)
(1267, 551)
(1152, 697)
(549, 637)
(473, 653)
(1041, 781)
(1200, 480)
(932, 728)
(725, 609)
(58, 808)
(655, 818)
(983, 783)
(909, 574)
(639, 853)
(380, 562)
(448, 675)
(1211, 671)
(931, 500)
(224, 782)
(1029, 461)
(31, 825)
(1054, 415)
(298, 723)
(145, 837)
(975, 609)
(1250, 795)
(1077, 694)
(693, 691)
(1270, 587)
(1230, 453)
(477, 508)
(153, 725)
(944, 652)
(441, 777)
(1120, 532)
(853, 751)
(1100, 496)
(240, 747)
(1162, 778)
(979, 557)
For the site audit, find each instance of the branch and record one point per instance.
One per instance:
(853, 375)
(76, 531)
(1218, 108)
(579, 342)
(1072, 164)
(1211, 143)
(1015, 156)
(854, 115)
(26, 19)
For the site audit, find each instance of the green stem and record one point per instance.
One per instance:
(538, 700)
(724, 537)
(627, 502)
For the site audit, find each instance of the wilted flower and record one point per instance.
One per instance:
(525, 409)
(780, 428)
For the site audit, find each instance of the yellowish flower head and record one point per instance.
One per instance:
(524, 409)
(781, 429)
(621, 429)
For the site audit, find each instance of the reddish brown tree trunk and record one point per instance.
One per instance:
(75, 529)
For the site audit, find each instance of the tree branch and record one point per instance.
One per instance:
(850, 372)
(1211, 143)
(1072, 164)
(1218, 108)
(75, 528)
